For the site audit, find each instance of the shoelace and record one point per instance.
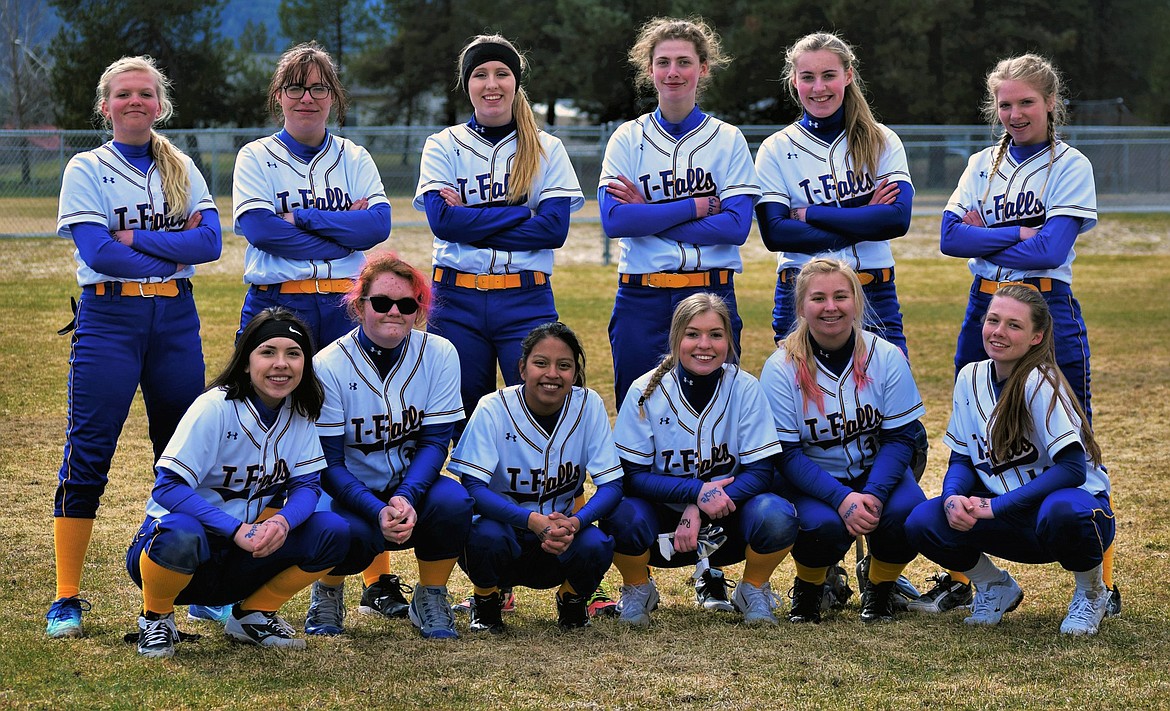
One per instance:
(327, 609)
(636, 594)
(1081, 609)
(395, 585)
(762, 598)
(156, 633)
(981, 605)
(436, 610)
(66, 609)
(278, 626)
(717, 588)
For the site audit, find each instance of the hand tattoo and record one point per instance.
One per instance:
(984, 503)
(950, 505)
(544, 534)
(849, 511)
(710, 494)
(252, 531)
(685, 523)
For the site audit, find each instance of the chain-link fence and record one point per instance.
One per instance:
(1131, 164)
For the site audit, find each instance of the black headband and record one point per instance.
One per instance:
(484, 52)
(279, 329)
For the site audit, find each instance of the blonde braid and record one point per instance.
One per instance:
(659, 373)
(999, 153)
(175, 179)
(529, 152)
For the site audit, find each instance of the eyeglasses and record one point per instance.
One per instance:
(317, 91)
(383, 304)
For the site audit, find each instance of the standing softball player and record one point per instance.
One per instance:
(140, 216)
(523, 459)
(391, 404)
(1024, 480)
(1016, 215)
(835, 184)
(698, 447)
(248, 441)
(497, 192)
(845, 407)
(677, 189)
(309, 202)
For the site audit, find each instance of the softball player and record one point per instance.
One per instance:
(523, 458)
(835, 184)
(309, 202)
(845, 405)
(1024, 481)
(248, 441)
(677, 189)
(1016, 215)
(391, 404)
(697, 446)
(140, 216)
(497, 192)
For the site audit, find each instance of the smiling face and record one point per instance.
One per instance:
(275, 368)
(1008, 333)
(389, 329)
(1023, 111)
(704, 346)
(305, 118)
(548, 373)
(132, 106)
(830, 309)
(820, 78)
(492, 88)
(676, 70)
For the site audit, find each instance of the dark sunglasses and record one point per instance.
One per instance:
(383, 304)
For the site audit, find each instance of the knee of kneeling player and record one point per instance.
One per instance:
(771, 523)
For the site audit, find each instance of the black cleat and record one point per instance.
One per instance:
(572, 612)
(486, 613)
(806, 602)
(877, 602)
(386, 597)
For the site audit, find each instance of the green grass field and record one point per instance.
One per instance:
(687, 659)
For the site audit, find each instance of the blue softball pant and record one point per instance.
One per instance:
(639, 329)
(223, 572)
(324, 314)
(440, 533)
(1068, 330)
(1071, 527)
(122, 343)
(766, 522)
(486, 328)
(500, 555)
(883, 314)
(823, 539)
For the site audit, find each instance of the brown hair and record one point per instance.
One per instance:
(694, 30)
(1011, 422)
(861, 128)
(686, 311)
(388, 263)
(796, 343)
(171, 166)
(526, 164)
(294, 66)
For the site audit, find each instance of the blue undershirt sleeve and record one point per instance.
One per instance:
(463, 225)
(960, 240)
(357, 230)
(1047, 249)
(1067, 472)
(781, 233)
(891, 463)
(643, 483)
(345, 488)
(866, 223)
(602, 503)
(106, 255)
(429, 456)
(173, 493)
(809, 477)
(495, 506)
(632, 220)
(961, 478)
(730, 226)
(195, 246)
(547, 229)
(752, 480)
(303, 494)
(267, 231)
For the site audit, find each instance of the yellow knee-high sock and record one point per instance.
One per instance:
(816, 576)
(435, 573)
(565, 589)
(484, 592)
(333, 580)
(882, 572)
(70, 541)
(635, 569)
(959, 577)
(280, 589)
(160, 586)
(1107, 566)
(758, 567)
(377, 568)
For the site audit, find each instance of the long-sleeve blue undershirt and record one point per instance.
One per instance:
(676, 220)
(641, 481)
(890, 464)
(1047, 249)
(268, 231)
(498, 507)
(809, 477)
(174, 494)
(829, 227)
(106, 255)
(1067, 472)
(508, 227)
